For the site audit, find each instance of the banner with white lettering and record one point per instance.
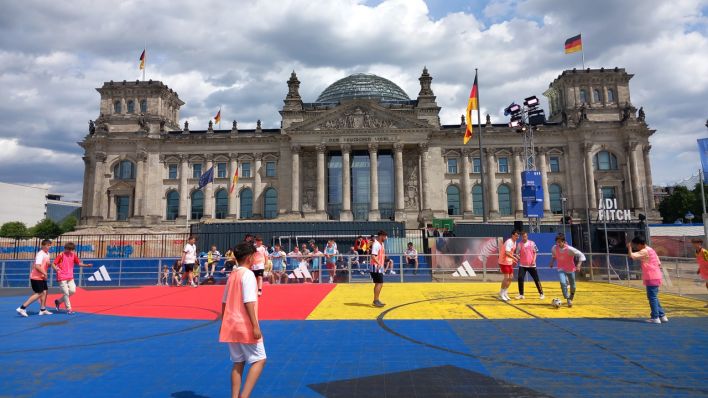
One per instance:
(609, 211)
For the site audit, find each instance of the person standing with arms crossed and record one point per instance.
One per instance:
(651, 276)
(565, 255)
(38, 280)
(378, 256)
(239, 323)
(259, 261)
(527, 263)
(507, 259)
(189, 258)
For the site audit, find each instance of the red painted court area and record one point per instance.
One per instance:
(286, 302)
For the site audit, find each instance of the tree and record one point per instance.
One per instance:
(680, 202)
(68, 224)
(46, 229)
(14, 229)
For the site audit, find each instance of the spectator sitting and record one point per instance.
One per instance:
(176, 268)
(315, 260)
(330, 254)
(388, 265)
(229, 262)
(277, 258)
(353, 258)
(412, 257)
(293, 261)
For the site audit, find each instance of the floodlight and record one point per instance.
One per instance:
(512, 109)
(537, 117)
(516, 121)
(531, 101)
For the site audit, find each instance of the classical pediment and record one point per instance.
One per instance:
(121, 186)
(360, 115)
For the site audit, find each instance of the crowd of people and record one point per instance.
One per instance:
(305, 263)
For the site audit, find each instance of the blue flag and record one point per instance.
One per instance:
(703, 150)
(206, 178)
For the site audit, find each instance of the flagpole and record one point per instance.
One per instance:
(220, 117)
(481, 154)
(582, 49)
(145, 61)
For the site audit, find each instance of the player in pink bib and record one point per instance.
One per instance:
(651, 276)
(565, 255)
(239, 324)
(64, 267)
(527, 263)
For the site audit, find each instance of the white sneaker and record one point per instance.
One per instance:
(520, 297)
(393, 272)
(331, 280)
(541, 297)
(194, 284)
(654, 320)
(21, 312)
(664, 319)
(502, 297)
(45, 312)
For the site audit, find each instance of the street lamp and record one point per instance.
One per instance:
(689, 216)
(563, 199)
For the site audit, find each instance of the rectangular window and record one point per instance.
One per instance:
(503, 165)
(555, 164)
(172, 171)
(221, 170)
(122, 208)
(270, 169)
(196, 170)
(608, 193)
(246, 170)
(476, 165)
(452, 166)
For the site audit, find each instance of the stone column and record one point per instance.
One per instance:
(518, 168)
(648, 179)
(257, 189)
(491, 170)
(99, 190)
(590, 176)
(466, 187)
(544, 180)
(183, 188)
(374, 214)
(295, 179)
(209, 191)
(233, 200)
(398, 171)
(423, 148)
(87, 195)
(140, 189)
(346, 213)
(636, 186)
(321, 182)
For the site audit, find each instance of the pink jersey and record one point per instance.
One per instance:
(66, 261)
(527, 253)
(42, 259)
(651, 268)
(702, 259)
(565, 258)
(236, 326)
(509, 246)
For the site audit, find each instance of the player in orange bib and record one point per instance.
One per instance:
(701, 259)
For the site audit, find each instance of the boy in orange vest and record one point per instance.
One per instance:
(701, 259)
(239, 324)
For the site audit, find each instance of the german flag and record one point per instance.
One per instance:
(142, 60)
(234, 180)
(573, 45)
(472, 104)
(217, 118)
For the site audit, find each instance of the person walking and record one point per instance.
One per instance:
(38, 281)
(64, 268)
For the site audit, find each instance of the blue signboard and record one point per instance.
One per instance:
(532, 193)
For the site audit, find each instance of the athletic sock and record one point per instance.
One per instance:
(23, 307)
(43, 309)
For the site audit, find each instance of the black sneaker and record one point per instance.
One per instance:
(378, 304)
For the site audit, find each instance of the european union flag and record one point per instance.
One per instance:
(206, 178)
(703, 150)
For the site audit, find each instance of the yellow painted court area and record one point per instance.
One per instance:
(478, 301)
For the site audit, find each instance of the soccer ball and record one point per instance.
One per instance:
(556, 303)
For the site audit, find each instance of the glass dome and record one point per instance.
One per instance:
(362, 86)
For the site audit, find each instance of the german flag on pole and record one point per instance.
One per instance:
(472, 104)
(573, 45)
(142, 60)
(234, 180)
(217, 118)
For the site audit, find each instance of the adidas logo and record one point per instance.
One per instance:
(464, 270)
(100, 275)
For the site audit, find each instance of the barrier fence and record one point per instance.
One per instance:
(679, 274)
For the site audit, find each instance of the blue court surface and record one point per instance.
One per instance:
(91, 355)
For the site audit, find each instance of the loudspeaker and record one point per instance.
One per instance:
(519, 225)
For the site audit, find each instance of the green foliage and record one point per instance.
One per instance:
(681, 201)
(68, 224)
(14, 229)
(46, 229)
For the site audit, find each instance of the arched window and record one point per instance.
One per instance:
(610, 95)
(596, 95)
(197, 205)
(125, 170)
(270, 203)
(143, 106)
(117, 108)
(504, 195)
(605, 160)
(477, 207)
(131, 106)
(583, 96)
(222, 204)
(555, 192)
(453, 200)
(172, 205)
(246, 203)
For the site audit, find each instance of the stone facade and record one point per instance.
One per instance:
(142, 167)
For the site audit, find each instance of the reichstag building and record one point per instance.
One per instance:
(363, 150)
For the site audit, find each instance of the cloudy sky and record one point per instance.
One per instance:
(238, 54)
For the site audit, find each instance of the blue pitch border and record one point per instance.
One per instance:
(63, 356)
